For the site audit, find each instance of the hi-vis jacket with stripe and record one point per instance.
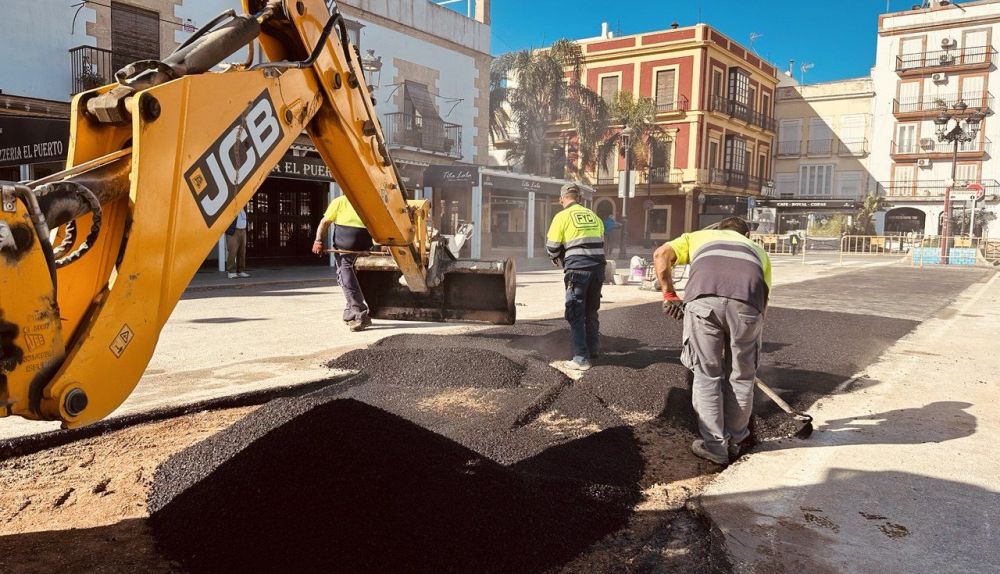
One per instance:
(577, 237)
(726, 264)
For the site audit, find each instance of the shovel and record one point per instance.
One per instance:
(806, 420)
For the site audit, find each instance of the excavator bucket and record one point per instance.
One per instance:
(469, 290)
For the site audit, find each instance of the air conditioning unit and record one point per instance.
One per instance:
(945, 59)
(947, 43)
(923, 162)
(939, 78)
(927, 143)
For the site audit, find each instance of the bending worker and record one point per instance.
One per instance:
(576, 242)
(723, 311)
(349, 234)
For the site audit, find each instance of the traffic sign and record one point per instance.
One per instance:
(978, 190)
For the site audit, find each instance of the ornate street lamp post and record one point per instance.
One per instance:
(957, 128)
(372, 65)
(626, 137)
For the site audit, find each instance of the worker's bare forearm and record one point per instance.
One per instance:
(324, 226)
(663, 262)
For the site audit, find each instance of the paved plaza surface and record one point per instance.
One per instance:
(459, 448)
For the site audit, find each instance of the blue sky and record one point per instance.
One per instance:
(837, 36)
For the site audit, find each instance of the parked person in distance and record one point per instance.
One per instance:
(236, 246)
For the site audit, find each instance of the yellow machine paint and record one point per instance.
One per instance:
(159, 165)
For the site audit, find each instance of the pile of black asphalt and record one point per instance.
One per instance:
(470, 453)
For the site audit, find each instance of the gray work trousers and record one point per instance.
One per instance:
(353, 239)
(722, 340)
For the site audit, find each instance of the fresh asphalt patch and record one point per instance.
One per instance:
(468, 453)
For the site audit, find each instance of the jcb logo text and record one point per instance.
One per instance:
(220, 173)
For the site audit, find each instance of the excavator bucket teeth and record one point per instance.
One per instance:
(481, 291)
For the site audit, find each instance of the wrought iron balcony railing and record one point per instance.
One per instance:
(976, 101)
(672, 105)
(790, 148)
(971, 57)
(432, 136)
(90, 68)
(930, 146)
(933, 188)
(659, 175)
(741, 111)
(737, 179)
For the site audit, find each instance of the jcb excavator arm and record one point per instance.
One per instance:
(94, 259)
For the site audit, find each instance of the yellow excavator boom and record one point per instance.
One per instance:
(94, 259)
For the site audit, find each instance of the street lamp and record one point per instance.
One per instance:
(626, 138)
(956, 128)
(372, 65)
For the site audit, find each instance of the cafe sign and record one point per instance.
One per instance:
(25, 141)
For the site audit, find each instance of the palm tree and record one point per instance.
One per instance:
(863, 221)
(545, 88)
(648, 139)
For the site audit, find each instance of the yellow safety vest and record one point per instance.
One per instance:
(341, 212)
(576, 236)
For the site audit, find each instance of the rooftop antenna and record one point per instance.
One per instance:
(803, 69)
(754, 36)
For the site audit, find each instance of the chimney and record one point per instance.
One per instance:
(791, 68)
(604, 29)
(483, 11)
(674, 26)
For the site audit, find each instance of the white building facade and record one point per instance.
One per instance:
(821, 168)
(929, 59)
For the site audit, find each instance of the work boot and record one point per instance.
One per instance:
(361, 324)
(232, 276)
(243, 274)
(698, 448)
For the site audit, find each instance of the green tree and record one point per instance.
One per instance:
(648, 139)
(544, 87)
(864, 220)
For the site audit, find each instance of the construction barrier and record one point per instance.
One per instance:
(922, 250)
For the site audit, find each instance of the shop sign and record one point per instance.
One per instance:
(463, 174)
(302, 167)
(498, 182)
(26, 141)
(817, 204)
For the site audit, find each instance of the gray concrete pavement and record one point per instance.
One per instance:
(901, 474)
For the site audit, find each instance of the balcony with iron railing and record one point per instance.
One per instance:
(970, 58)
(934, 189)
(789, 148)
(981, 102)
(933, 149)
(658, 175)
(679, 104)
(412, 131)
(90, 68)
(741, 111)
(644, 175)
(735, 179)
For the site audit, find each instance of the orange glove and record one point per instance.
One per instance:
(673, 306)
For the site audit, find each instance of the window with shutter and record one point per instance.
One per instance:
(966, 173)
(739, 85)
(849, 184)
(820, 136)
(665, 90)
(790, 137)
(852, 134)
(904, 180)
(135, 34)
(609, 87)
(906, 138)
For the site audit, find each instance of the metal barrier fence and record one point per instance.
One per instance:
(923, 250)
(919, 250)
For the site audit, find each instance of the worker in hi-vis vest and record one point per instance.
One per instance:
(576, 243)
(349, 234)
